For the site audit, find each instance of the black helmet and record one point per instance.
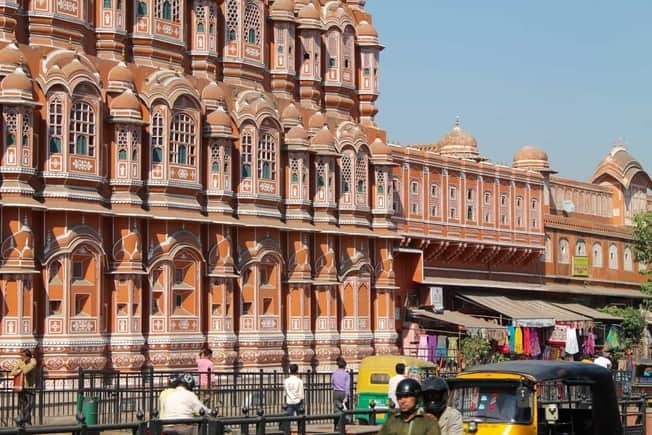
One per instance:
(173, 380)
(435, 395)
(187, 380)
(408, 387)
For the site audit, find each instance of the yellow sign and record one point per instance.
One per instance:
(580, 266)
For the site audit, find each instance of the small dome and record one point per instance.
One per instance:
(620, 165)
(530, 152)
(290, 112)
(11, 55)
(531, 158)
(219, 118)
(213, 96)
(218, 124)
(283, 6)
(120, 73)
(366, 29)
(323, 142)
(17, 81)
(379, 147)
(297, 133)
(309, 12)
(316, 121)
(458, 143)
(74, 66)
(127, 101)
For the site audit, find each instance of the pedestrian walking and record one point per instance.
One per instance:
(409, 419)
(23, 375)
(294, 396)
(205, 368)
(393, 383)
(341, 382)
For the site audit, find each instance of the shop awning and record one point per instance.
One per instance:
(455, 318)
(592, 290)
(587, 311)
(525, 312)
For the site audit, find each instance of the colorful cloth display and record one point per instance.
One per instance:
(612, 341)
(518, 340)
(572, 347)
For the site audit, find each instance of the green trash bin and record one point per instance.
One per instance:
(89, 409)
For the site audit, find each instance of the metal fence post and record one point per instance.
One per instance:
(41, 395)
(260, 425)
(261, 396)
(244, 427)
(351, 405)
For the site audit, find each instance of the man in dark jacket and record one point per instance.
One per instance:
(409, 420)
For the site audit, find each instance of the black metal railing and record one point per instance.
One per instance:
(113, 396)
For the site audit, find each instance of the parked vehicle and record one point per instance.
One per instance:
(373, 379)
(536, 398)
(641, 382)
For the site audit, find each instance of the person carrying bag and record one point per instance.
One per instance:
(23, 384)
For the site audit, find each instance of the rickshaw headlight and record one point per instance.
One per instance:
(473, 427)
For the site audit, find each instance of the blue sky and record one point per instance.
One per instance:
(571, 77)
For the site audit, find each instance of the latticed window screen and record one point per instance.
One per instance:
(321, 174)
(246, 145)
(332, 48)
(380, 182)
(10, 120)
(167, 10)
(252, 23)
(182, 140)
(82, 129)
(123, 143)
(55, 127)
(267, 157)
(534, 213)
(215, 158)
(200, 16)
(135, 146)
(294, 170)
(504, 209)
(157, 137)
(361, 173)
(347, 173)
(232, 18)
(349, 53)
(27, 128)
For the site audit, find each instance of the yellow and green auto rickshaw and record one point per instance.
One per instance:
(373, 380)
(537, 397)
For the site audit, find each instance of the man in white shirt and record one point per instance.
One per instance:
(603, 361)
(293, 387)
(182, 403)
(393, 382)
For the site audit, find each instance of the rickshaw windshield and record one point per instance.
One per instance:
(491, 402)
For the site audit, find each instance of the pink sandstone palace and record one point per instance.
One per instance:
(178, 174)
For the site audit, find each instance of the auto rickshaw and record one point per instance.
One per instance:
(373, 380)
(536, 398)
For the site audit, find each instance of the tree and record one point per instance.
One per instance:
(642, 233)
(632, 326)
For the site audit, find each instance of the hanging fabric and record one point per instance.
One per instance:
(612, 342)
(572, 346)
(518, 340)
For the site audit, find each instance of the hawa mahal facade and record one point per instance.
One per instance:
(178, 174)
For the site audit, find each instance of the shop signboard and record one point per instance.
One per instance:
(580, 265)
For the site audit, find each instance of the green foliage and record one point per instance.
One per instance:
(632, 326)
(476, 350)
(642, 233)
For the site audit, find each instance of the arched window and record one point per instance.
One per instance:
(107, 4)
(627, 259)
(182, 140)
(534, 213)
(613, 256)
(361, 173)
(82, 129)
(200, 27)
(122, 143)
(597, 254)
(10, 121)
(55, 124)
(267, 157)
(563, 251)
(232, 20)
(246, 146)
(251, 36)
(580, 248)
(548, 250)
(157, 137)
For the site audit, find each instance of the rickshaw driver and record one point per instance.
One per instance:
(410, 420)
